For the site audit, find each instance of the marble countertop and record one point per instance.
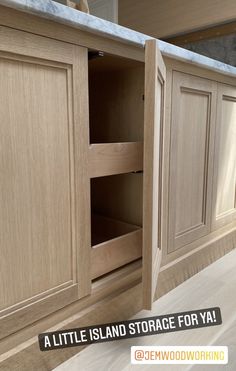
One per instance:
(62, 14)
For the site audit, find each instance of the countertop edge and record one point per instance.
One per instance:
(57, 12)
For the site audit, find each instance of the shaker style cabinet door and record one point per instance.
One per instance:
(193, 110)
(155, 75)
(44, 212)
(224, 190)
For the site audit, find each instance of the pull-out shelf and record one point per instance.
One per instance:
(115, 158)
(114, 244)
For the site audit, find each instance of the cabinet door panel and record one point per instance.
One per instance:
(155, 75)
(191, 154)
(35, 189)
(39, 240)
(224, 201)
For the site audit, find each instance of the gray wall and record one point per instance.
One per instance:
(222, 48)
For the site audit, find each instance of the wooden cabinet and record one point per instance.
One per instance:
(202, 168)
(44, 187)
(124, 116)
(108, 162)
(116, 114)
(155, 79)
(224, 191)
(191, 158)
(72, 193)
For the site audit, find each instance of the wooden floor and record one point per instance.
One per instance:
(214, 286)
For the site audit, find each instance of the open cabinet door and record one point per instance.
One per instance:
(155, 76)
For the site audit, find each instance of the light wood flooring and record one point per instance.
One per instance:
(214, 286)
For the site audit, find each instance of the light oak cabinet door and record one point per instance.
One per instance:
(155, 77)
(44, 200)
(224, 194)
(191, 159)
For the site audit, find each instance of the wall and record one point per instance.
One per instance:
(163, 18)
(220, 48)
(106, 9)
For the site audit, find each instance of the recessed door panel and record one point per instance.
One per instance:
(43, 140)
(191, 153)
(224, 205)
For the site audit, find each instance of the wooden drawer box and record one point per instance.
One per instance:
(114, 244)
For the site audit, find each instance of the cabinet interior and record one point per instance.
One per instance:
(116, 99)
(116, 227)
(116, 109)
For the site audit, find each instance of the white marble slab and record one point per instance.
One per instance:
(57, 12)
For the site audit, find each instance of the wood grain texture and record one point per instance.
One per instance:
(174, 65)
(165, 167)
(155, 74)
(123, 301)
(36, 25)
(165, 18)
(105, 228)
(191, 159)
(113, 254)
(35, 209)
(36, 308)
(56, 31)
(37, 197)
(26, 44)
(117, 116)
(203, 241)
(81, 166)
(115, 158)
(119, 197)
(224, 193)
(192, 262)
(105, 287)
(114, 244)
(116, 110)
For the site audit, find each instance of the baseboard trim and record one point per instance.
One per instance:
(184, 267)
